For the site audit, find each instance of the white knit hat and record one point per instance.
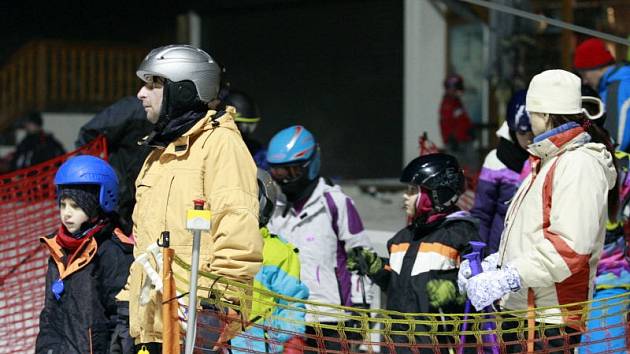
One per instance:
(555, 92)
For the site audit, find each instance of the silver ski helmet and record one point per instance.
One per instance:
(179, 62)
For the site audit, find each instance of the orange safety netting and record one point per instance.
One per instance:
(601, 326)
(28, 210)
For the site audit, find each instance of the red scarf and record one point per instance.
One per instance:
(64, 237)
(424, 206)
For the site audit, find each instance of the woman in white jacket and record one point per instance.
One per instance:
(555, 225)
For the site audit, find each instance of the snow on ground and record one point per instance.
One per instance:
(380, 204)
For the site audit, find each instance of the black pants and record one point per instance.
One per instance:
(564, 339)
(320, 344)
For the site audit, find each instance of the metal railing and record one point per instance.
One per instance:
(60, 75)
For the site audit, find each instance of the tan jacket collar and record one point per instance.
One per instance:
(180, 146)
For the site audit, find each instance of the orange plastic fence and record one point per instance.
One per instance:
(28, 211)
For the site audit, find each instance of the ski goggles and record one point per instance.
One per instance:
(288, 173)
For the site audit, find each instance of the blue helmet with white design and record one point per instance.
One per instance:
(90, 170)
(517, 116)
(292, 154)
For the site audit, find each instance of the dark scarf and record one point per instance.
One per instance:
(174, 128)
(298, 193)
(512, 155)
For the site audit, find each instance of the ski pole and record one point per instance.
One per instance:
(462, 338)
(475, 268)
(197, 220)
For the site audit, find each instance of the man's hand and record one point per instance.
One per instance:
(364, 261)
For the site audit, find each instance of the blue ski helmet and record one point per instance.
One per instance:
(86, 169)
(294, 146)
(517, 116)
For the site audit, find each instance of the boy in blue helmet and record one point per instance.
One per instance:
(501, 172)
(318, 218)
(88, 265)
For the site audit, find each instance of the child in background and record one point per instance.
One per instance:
(89, 264)
(424, 256)
(280, 273)
(501, 172)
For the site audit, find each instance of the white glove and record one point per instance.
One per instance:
(488, 264)
(485, 288)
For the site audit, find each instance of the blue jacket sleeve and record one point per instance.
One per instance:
(288, 316)
(623, 103)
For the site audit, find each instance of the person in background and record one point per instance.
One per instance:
(88, 265)
(37, 146)
(611, 80)
(123, 124)
(316, 216)
(455, 124)
(280, 274)
(247, 119)
(605, 326)
(501, 173)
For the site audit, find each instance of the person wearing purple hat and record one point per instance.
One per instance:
(501, 172)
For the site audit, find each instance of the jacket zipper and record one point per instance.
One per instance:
(168, 196)
(90, 339)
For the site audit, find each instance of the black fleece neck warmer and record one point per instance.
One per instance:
(299, 190)
(181, 109)
(175, 128)
(512, 155)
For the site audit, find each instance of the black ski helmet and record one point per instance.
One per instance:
(247, 113)
(245, 106)
(440, 174)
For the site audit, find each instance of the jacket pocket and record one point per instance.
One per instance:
(143, 195)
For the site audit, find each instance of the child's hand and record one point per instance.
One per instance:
(442, 292)
(364, 261)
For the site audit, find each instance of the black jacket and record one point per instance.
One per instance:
(123, 124)
(36, 148)
(83, 319)
(418, 254)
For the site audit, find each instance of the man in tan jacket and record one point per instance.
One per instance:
(198, 153)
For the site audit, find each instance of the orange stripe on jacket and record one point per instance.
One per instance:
(574, 288)
(444, 250)
(401, 247)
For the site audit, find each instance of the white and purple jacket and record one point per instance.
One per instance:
(324, 230)
(500, 177)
